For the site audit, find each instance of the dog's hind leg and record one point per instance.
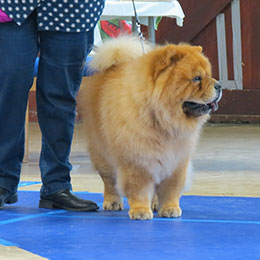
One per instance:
(112, 199)
(155, 202)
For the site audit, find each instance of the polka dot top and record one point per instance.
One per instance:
(56, 15)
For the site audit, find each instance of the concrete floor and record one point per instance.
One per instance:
(226, 163)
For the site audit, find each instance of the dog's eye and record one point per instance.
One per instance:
(197, 79)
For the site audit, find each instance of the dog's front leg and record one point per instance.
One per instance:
(169, 192)
(138, 187)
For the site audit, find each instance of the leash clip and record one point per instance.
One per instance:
(138, 27)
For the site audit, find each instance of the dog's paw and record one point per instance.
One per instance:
(170, 212)
(113, 205)
(140, 213)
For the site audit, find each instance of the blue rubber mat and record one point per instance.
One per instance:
(211, 228)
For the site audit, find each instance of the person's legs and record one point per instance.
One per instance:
(62, 59)
(18, 50)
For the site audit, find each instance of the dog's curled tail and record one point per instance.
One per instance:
(117, 50)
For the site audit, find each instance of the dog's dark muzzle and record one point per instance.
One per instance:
(194, 109)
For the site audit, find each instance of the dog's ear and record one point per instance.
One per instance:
(165, 58)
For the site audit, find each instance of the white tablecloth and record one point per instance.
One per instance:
(124, 10)
(116, 9)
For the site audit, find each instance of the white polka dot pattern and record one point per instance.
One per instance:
(56, 15)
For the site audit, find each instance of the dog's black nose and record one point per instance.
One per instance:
(217, 86)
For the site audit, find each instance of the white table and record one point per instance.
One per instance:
(147, 12)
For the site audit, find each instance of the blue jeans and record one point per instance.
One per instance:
(62, 59)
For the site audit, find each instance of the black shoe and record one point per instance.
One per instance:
(7, 197)
(66, 200)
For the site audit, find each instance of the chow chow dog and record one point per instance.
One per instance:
(143, 114)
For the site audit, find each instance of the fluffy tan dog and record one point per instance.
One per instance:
(143, 115)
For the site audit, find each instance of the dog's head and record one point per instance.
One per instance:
(182, 81)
